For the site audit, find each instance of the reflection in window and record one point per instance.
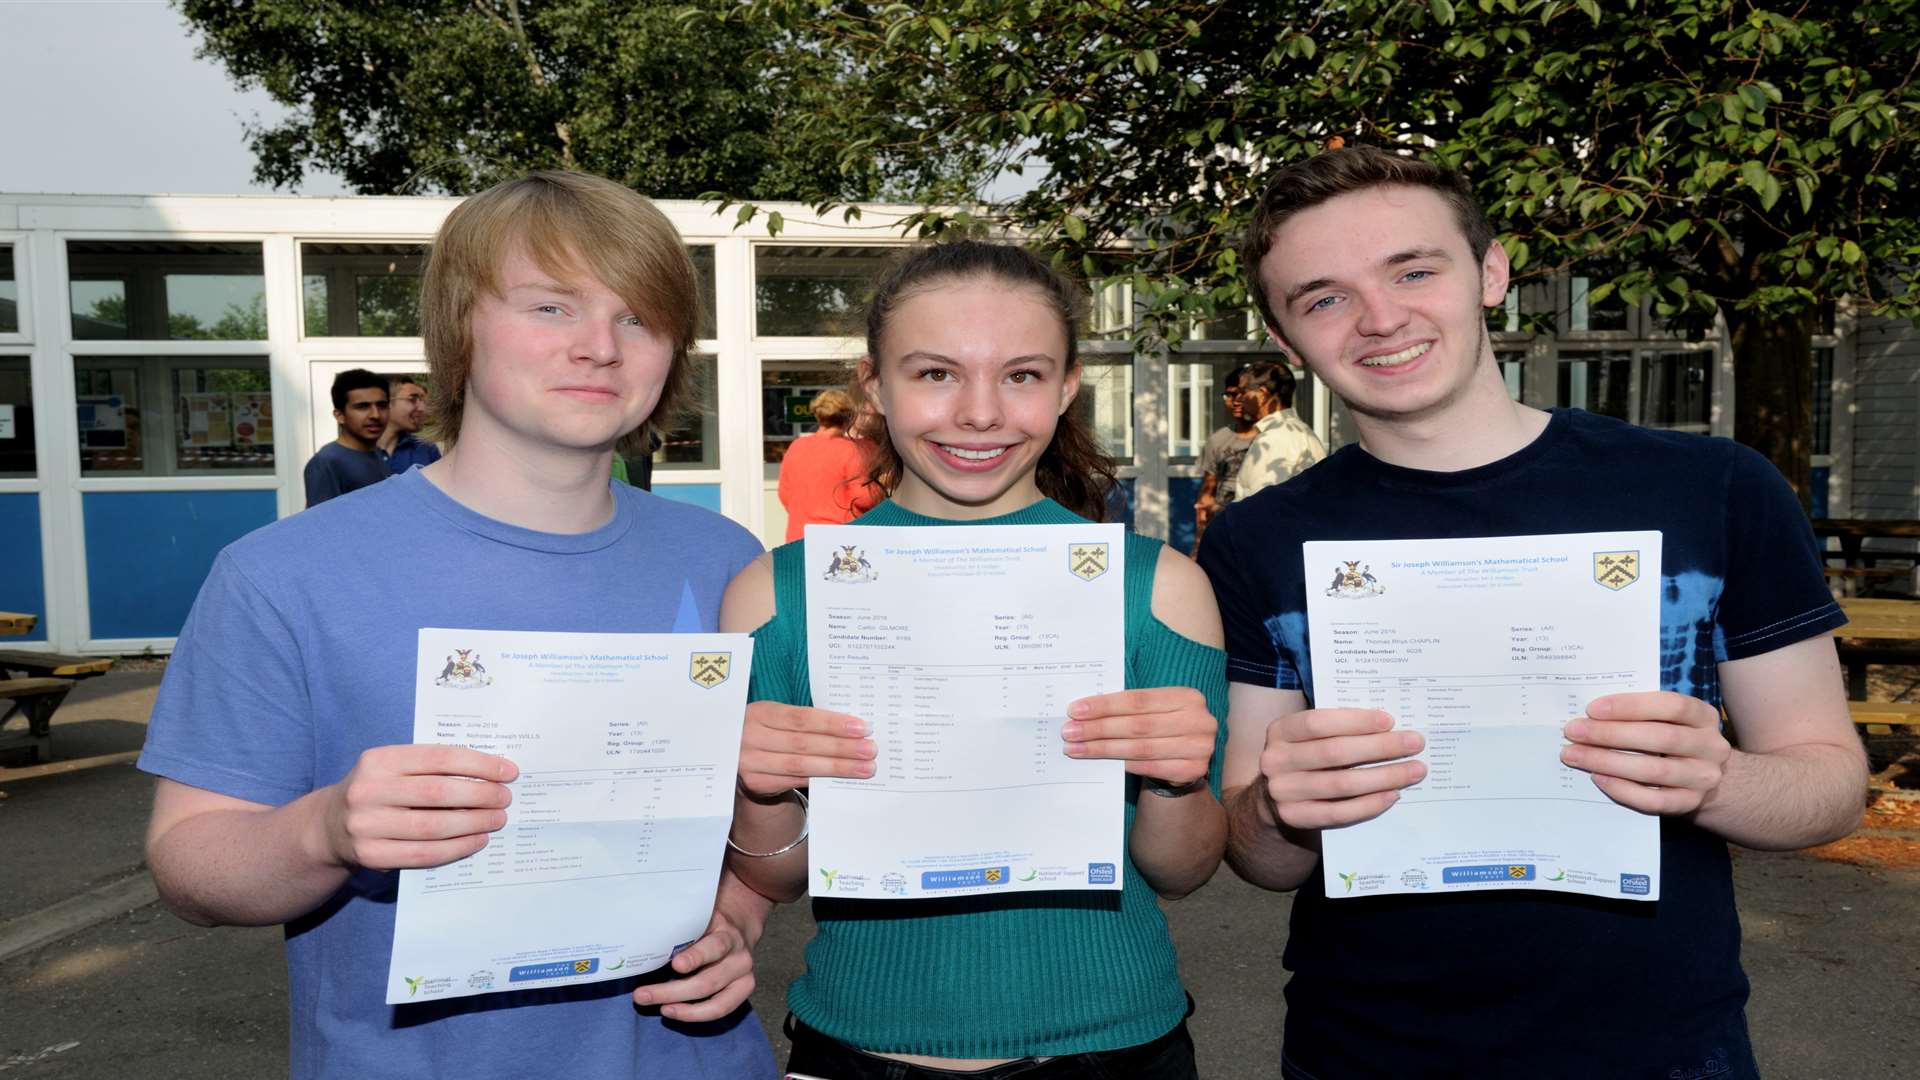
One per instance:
(1109, 306)
(786, 401)
(813, 291)
(9, 293)
(166, 290)
(16, 416)
(1609, 313)
(109, 416)
(161, 416)
(1678, 391)
(692, 440)
(702, 255)
(1597, 382)
(1106, 404)
(223, 419)
(361, 290)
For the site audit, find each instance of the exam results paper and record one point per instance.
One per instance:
(627, 746)
(1487, 647)
(962, 647)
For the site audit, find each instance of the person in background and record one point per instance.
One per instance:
(823, 477)
(1283, 445)
(1220, 458)
(401, 441)
(353, 459)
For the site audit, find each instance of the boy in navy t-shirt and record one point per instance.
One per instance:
(1375, 269)
(558, 311)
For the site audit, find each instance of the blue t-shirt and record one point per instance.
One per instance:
(334, 470)
(299, 655)
(1531, 984)
(408, 451)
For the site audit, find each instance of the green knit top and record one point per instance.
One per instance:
(1028, 974)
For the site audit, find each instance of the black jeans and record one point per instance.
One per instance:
(1169, 1057)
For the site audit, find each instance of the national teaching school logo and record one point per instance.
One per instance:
(850, 565)
(710, 669)
(463, 671)
(1354, 580)
(1087, 561)
(1616, 569)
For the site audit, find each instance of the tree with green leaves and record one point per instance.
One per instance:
(1737, 158)
(422, 96)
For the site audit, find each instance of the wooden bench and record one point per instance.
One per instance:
(35, 698)
(1881, 717)
(46, 665)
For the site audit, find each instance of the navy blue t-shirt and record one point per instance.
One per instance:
(334, 470)
(1532, 984)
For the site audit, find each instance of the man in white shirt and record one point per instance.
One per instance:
(1283, 444)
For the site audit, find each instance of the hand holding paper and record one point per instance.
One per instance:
(1165, 733)
(1309, 766)
(1657, 752)
(417, 806)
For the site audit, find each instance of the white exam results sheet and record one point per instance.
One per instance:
(627, 746)
(962, 647)
(1487, 647)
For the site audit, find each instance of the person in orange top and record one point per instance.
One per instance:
(823, 477)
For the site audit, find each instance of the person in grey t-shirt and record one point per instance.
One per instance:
(1221, 456)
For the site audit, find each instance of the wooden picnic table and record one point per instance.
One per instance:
(1853, 533)
(1878, 631)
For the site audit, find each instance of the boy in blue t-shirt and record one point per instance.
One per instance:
(557, 312)
(1375, 270)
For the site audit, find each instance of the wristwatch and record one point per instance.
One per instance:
(1172, 791)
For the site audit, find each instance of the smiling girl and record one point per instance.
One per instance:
(971, 364)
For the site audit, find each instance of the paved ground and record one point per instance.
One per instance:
(1834, 950)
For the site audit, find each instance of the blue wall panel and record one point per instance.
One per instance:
(148, 552)
(702, 495)
(23, 577)
(1181, 492)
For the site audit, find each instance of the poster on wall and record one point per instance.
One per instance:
(6, 421)
(103, 422)
(253, 418)
(206, 419)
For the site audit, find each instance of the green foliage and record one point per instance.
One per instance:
(419, 96)
(1720, 153)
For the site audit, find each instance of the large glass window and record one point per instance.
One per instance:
(1513, 372)
(813, 291)
(1677, 391)
(1587, 315)
(163, 416)
(692, 439)
(1823, 401)
(166, 291)
(9, 293)
(1106, 403)
(702, 254)
(787, 391)
(361, 290)
(1599, 382)
(16, 416)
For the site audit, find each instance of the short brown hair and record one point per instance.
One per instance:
(571, 224)
(1343, 171)
(1073, 471)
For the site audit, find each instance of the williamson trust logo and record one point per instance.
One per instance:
(1616, 569)
(464, 671)
(1087, 561)
(709, 669)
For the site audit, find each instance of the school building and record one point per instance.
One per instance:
(165, 364)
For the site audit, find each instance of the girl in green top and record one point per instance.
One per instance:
(971, 363)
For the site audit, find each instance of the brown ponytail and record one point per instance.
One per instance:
(1072, 471)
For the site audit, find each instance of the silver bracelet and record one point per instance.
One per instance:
(796, 842)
